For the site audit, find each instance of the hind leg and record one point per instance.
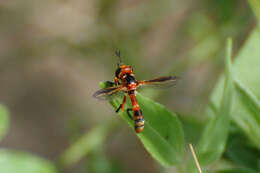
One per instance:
(128, 113)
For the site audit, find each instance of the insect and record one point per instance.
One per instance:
(126, 82)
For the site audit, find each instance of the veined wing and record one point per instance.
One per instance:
(165, 81)
(106, 93)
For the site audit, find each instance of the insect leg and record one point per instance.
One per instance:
(117, 110)
(121, 105)
(128, 113)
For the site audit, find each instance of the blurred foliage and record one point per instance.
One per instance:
(237, 170)
(14, 161)
(213, 141)
(239, 151)
(86, 144)
(53, 54)
(99, 163)
(4, 121)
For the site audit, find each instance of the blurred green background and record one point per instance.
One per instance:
(54, 53)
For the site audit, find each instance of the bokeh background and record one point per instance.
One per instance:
(54, 53)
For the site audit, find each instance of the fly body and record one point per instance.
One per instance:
(126, 82)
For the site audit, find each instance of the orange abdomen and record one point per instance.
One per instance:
(138, 116)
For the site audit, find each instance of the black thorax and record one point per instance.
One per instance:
(130, 79)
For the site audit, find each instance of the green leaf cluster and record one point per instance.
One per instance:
(233, 128)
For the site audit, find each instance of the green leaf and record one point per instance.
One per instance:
(192, 127)
(246, 76)
(14, 162)
(98, 163)
(163, 134)
(255, 4)
(4, 121)
(237, 170)
(240, 153)
(251, 106)
(249, 100)
(213, 141)
(85, 144)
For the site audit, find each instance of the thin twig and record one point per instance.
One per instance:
(195, 158)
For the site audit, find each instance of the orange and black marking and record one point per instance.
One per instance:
(138, 115)
(125, 81)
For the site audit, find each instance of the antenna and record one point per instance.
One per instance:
(117, 52)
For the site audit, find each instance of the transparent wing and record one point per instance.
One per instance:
(108, 93)
(165, 81)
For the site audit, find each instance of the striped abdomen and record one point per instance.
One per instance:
(138, 116)
(139, 121)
